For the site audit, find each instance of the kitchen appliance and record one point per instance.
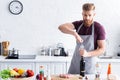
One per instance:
(5, 45)
(56, 52)
(60, 51)
(13, 54)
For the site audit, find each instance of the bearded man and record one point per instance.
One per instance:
(88, 33)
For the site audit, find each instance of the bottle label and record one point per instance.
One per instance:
(82, 67)
(82, 71)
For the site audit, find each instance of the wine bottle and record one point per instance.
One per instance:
(82, 67)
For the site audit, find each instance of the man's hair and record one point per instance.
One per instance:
(88, 6)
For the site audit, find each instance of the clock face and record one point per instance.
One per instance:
(15, 7)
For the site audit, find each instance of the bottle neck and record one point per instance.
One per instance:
(82, 59)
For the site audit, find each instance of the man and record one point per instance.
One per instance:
(88, 33)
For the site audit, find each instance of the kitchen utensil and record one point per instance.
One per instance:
(13, 54)
(5, 45)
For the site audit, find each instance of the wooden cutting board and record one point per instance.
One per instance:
(74, 77)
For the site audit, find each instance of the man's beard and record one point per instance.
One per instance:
(88, 22)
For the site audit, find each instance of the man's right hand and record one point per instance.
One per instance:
(78, 38)
(68, 28)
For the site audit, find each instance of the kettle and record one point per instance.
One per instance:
(62, 52)
(57, 52)
(14, 51)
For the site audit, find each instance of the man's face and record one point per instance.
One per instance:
(88, 17)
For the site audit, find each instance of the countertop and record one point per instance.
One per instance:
(51, 59)
(57, 59)
(89, 76)
(39, 59)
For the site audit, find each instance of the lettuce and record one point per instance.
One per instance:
(5, 74)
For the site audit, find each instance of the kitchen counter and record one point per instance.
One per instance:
(39, 58)
(52, 59)
(57, 64)
(89, 76)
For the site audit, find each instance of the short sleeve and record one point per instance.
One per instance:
(101, 33)
(77, 24)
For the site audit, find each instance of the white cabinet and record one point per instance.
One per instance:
(58, 68)
(114, 67)
(68, 65)
(45, 65)
(23, 65)
(103, 67)
(54, 67)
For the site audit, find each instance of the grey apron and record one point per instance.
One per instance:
(88, 42)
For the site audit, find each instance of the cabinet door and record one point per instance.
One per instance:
(68, 65)
(58, 68)
(114, 67)
(46, 66)
(23, 65)
(103, 67)
(53, 67)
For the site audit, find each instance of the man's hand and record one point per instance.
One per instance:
(78, 38)
(83, 53)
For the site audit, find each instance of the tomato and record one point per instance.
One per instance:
(30, 73)
(15, 69)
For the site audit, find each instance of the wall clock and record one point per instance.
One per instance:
(15, 7)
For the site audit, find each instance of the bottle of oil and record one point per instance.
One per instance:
(41, 73)
(97, 71)
(109, 70)
(82, 66)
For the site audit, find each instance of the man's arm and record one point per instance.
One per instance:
(100, 50)
(68, 28)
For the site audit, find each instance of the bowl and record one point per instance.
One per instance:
(27, 78)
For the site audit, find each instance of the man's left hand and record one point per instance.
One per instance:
(83, 53)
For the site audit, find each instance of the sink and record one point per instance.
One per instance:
(116, 57)
(27, 56)
(105, 57)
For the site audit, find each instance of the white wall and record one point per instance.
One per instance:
(38, 24)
